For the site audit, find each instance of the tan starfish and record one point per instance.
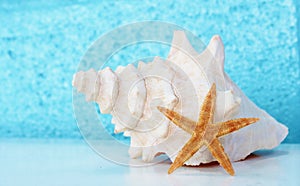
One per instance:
(204, 132)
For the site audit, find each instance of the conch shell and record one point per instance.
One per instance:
(131, 95)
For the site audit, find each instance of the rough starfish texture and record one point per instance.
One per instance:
(205, 132)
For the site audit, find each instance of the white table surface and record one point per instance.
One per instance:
(72, 162)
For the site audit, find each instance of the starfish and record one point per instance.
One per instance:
(205, 132)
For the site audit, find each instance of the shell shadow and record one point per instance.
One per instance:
(265, 154)
(256, 156)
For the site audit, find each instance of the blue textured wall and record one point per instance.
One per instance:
(41, 43)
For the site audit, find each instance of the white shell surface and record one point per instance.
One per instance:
(179, 83)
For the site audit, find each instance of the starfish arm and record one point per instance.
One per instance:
(217, 151)
(189, 149)
(183, 122)
(207, 110)
(233, 125)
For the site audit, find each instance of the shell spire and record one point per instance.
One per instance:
(101, 87)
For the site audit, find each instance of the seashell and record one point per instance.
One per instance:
(131, 95)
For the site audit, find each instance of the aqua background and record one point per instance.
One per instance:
(41, 43)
